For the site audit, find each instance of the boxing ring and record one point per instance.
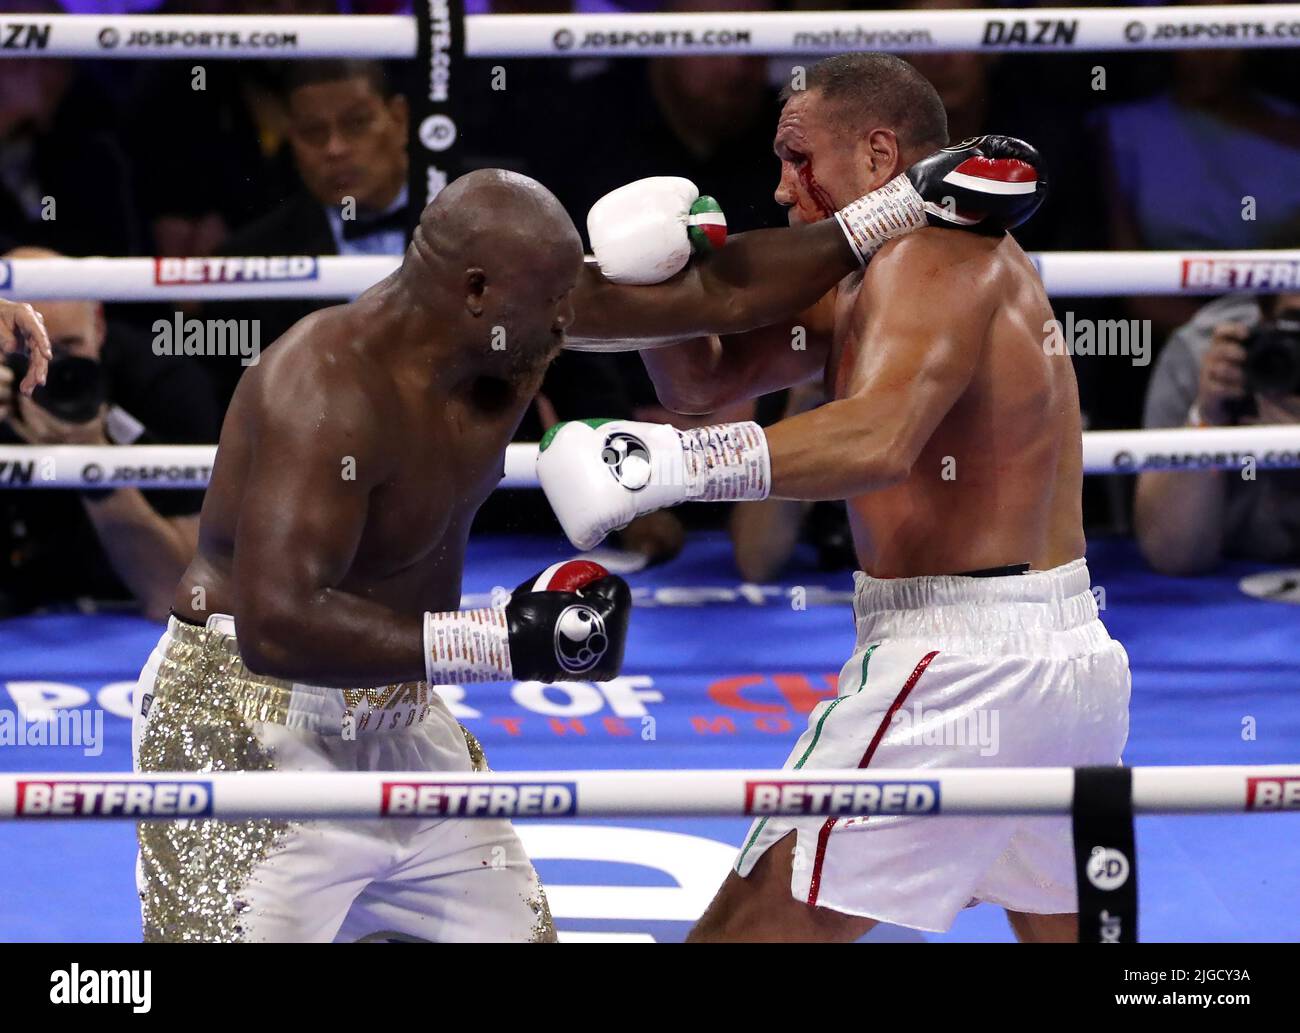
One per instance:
(658, 766)
(1214, 677)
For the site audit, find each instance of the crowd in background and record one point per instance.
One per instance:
(1155, 151)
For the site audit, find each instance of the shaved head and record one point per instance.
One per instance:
(508, 255)
(493, 216)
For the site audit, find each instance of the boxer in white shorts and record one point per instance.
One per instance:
(1002, 669)
(198, 706)
(953, 432)
(321, 605)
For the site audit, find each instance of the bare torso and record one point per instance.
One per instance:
(428, 451)
(1000, 479)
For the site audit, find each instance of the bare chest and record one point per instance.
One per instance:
(420, 514)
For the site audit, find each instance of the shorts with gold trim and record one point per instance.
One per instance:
(198, 708)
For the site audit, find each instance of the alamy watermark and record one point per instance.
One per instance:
(209, 337)
(929, 726)
(1129, 337)
(75, 985)
(68, 727)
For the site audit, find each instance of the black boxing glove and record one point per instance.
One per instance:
(569, 621)
(987, 185)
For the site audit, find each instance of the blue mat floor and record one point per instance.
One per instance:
(722, 674)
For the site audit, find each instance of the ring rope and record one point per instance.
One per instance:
(1042, 30)
(1064, 273)
(648, 793)
(1244, 449)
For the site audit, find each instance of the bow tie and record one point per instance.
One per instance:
(356, 229)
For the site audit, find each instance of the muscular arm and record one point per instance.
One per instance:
(913, 357)
(704, 374)
(299, 529)
(758, 278)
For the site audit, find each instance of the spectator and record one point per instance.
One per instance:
(23, 339)
(1185, 168)
(519, 119)
(208, 139)
(1187, 522)
(108, 544)
(347, 131)
(984, 92)
(208, 158)
(709, 119)
(63, 179)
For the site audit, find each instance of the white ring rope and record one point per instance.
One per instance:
(1065, 274)
(1044, 30)
(1244, 449)
(651, 793)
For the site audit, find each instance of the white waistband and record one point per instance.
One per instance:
(322, 709)
(1052, 612)
(911, 593)
(223, 623)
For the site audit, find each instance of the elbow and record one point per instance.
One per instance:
(155, 599)
(269, 658)
(687, 377)
(876, 454)
(270, 643)
(890, 473)
(748, 308)
(885, 470)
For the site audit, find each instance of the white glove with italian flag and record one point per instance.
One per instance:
(644, 232)
(600, 475)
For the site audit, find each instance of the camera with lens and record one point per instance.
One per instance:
(1273, 355)
(74, 390)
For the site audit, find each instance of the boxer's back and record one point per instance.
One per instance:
(999, 480)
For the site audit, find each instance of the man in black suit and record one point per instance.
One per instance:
(347, 132)
(64, 180)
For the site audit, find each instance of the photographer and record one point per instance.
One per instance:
(104, 386)
(1236, 362)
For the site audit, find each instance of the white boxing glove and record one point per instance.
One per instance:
(600, 475)
(644, 232)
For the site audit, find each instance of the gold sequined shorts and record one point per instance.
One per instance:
(198, 708)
